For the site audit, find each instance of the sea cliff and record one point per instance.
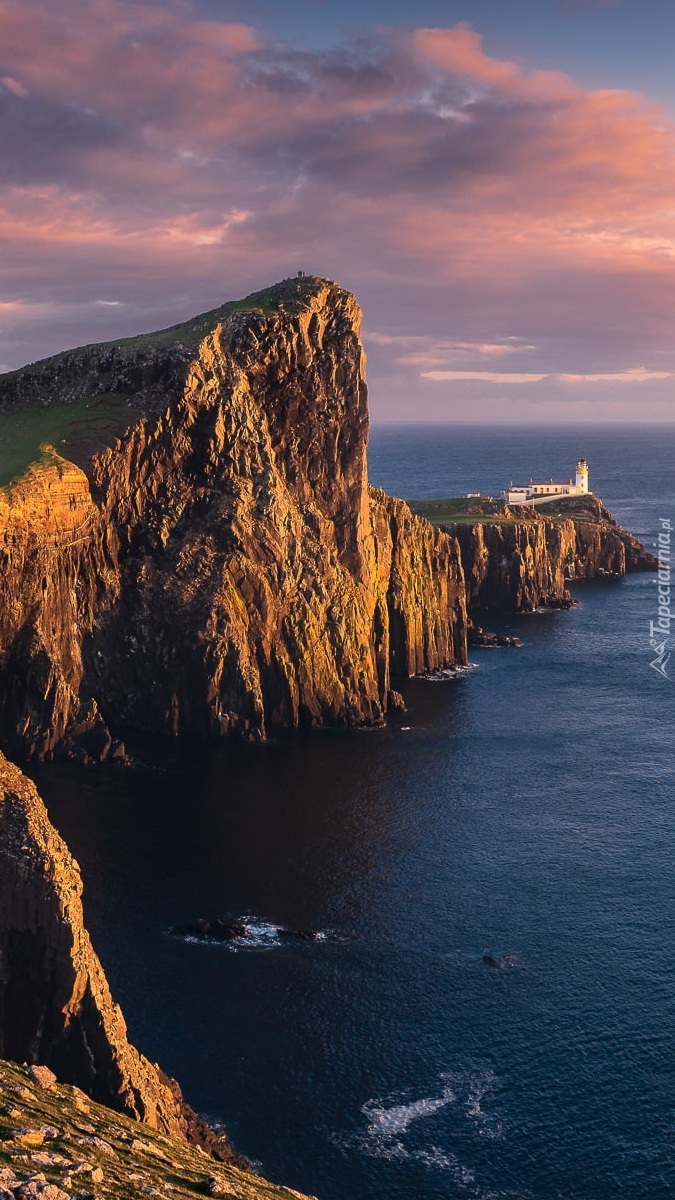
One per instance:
(201, 553)
(518, 559)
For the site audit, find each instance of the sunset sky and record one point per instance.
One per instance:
(494, 179)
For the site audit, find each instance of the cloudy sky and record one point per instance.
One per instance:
(494, 179)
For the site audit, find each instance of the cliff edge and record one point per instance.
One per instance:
(518, 559)
(56, 1144)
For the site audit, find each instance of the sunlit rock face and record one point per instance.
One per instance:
(219, 564)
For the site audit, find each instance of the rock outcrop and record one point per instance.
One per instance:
(218, 565)
(55, 1004)
(524, 560)
(55, 1144)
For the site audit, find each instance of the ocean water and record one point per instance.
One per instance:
(496, 1017)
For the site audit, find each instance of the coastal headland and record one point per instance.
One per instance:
(189, 545)
(195, 549)
(518, 559)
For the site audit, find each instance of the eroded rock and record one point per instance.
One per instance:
(221, 566)
(526, 561)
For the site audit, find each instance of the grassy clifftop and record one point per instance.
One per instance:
(464, 509)
(74, 430)
(473, 510)
(79, 400)
(288, 295)
(56, 1139)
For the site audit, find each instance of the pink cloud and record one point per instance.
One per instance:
(430, 353)
(13, 86)
(239, 38)
(482, 377)
(632, 375)
(459, 51)
(170, 161)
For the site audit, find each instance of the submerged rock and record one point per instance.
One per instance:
(223, 929)
(497, 962)
(233, 929)
(486, 637)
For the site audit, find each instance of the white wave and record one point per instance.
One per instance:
(487, 1124)
(387, 1133)
(442, 1161)
(387, 1122)
(264, 935)
(260, 935)
(443, 673)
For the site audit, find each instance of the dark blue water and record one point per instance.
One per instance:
(527, 814)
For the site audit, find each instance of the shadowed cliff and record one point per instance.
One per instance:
(55, 1004)
(517, 559)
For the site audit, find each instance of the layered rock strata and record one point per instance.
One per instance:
(221, 565)
(525, 561)
(55, 1004)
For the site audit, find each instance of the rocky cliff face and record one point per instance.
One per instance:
(202, 554)
(220, 565)
(55, 1004)
(526, 560)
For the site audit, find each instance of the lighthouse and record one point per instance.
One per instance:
(541, 493)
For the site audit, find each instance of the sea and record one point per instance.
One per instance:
(489, 1011)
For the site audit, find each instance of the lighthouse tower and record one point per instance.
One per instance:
(582, 477)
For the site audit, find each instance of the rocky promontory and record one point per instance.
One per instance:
(518, 559)
(199, 551)
(196, 549)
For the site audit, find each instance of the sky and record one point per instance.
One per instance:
(493, 179)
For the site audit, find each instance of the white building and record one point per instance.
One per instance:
(538, 493)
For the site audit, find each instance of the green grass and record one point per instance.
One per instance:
(459, 510)
(74, 430)
(464, 510)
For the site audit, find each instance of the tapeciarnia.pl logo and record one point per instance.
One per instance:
(659, 630)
